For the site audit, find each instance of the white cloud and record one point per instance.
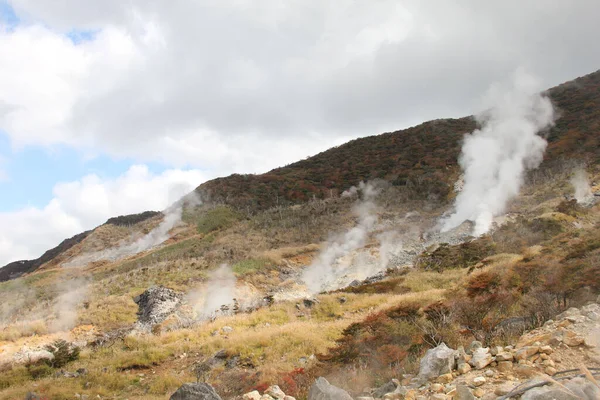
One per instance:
(218, 84)
(83, 204)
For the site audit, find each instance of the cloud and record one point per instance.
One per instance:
(83, 204)
(246, 86)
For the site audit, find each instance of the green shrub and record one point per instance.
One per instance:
(250, 265)
(63, 351)
(39, 370)
(220, 217)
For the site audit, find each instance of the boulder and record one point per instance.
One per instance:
(481, 358)
(436, 362)
(195, 391)
(323, 390)
(156, 304)
(478, 381)
(475, 344)
(577, 388)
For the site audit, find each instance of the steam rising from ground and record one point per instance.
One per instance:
(219, 290)
(495, 158)
(73, 294)
(332, 262)
(172, 217)
(583, 190)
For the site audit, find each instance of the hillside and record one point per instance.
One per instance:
(422, 159)
(267, 284)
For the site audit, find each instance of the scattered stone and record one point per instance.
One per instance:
(504, 388)
(474, 346)
(489, 373)
(289, 397)
(481, 358)
(32, 396)
(478, 392)
(195, 391)
(504, 356)
(439, 396)
(275, 392)
(525, 352)
(463, 393)
(571, 339)
(253, 395)
(266, 397)
(385, 388)
(323, 390)
(463, 368)
(479, 380)
(504, 366)
(437, 388)
(550, 371)
(494, 350)
(226, 329)
(436, 362)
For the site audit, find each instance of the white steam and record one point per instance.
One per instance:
(494, 158)
(583, 190)
(332, 262)
(172, 218)
(73, 293)
(218, 291)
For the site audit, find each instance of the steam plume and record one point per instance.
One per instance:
(495, 157)
(73, 293)
(326, 269)
(218, 291)
(583, 190)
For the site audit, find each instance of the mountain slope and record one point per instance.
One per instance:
(423, 158)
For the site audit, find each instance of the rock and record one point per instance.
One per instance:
(571, 339)
(504, 388)
(33, 356)
(525, 352)
(478, 392)
(463, 368)
(226, 329)
(577, 388)
(156, 304)
(571, 312)
(504, 366)
(474, 346)
(550, 371)
(253, 395)
(479, 380)
(266, 397)
(365, 398)
(446, 378)
(439, 396)
(524, 370)
(436, 362)
(275, 392)
(489, 373)
(463, 393)
(393, 396)
(494, 350)
(546, 349)
(195, 391)
(437, 388)
(481, 358)
(289, 397)
(504, 356)
(309, 303)
(323, 390)
(32, 396)
(385, 388)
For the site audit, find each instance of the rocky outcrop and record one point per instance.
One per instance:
(323, 390)
(156, 304)
(195, 391)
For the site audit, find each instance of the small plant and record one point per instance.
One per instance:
(63, 351)
(39, 370)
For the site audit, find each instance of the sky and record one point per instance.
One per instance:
(110, 107)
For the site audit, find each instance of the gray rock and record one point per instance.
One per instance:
(578, 388)
(463, 393)
(156, 304)
(195, 391)
(323, 390)
(275, 392)
(481, 358)
(474, 346)
(32, 396)
(436, 362)
(384, 389)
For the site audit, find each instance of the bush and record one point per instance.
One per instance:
(250, 265)
(463, 255)
(486, 282)
(39, 370)
(220, 217)
(63, 351)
